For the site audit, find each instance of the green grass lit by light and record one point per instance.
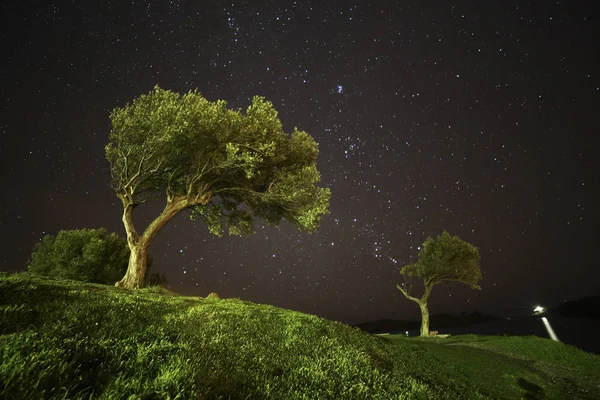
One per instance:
(509, 367)
(65, 339)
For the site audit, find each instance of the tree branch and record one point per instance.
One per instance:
(170, 211)
(408, 296)
(132, 235)
(426, 293)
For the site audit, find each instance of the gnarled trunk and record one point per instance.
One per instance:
(136, 270)
(424, 319)
(422, 302)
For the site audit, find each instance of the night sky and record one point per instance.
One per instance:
(478, 117)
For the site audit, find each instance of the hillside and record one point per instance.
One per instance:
(64, 339)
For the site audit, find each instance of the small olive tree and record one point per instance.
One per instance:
(89, 255)
(224, 166)
(443, 259)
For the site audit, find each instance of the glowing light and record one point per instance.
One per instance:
(539, 309)
(550, 330)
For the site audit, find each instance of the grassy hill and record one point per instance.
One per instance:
(64, 339)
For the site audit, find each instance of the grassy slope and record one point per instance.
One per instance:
(71, 340)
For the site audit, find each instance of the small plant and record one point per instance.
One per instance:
(213, 295)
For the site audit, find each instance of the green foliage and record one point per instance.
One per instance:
(229, 167)
(446, 259)
(89, 255)
(61, 339)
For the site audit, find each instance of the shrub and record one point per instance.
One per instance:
(89, 255)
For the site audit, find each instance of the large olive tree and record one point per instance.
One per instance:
(443, 259)
(225, 166)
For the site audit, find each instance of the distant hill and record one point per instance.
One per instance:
(441, 320)
(588, 307)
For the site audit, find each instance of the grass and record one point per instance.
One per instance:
(65, 339)
(508, 367)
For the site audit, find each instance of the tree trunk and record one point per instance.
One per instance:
(424, 320)
(136, 270)
(422, 302)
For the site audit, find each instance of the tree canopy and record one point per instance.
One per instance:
(446, 259)
(442, 259)
(225, 166)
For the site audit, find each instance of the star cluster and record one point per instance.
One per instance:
(470, 117)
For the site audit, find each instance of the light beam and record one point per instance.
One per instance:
(550, 330)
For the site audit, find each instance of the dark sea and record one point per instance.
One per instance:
(580, 332)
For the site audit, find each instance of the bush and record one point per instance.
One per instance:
(89, 255)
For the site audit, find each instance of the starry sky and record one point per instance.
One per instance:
(475, 117)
